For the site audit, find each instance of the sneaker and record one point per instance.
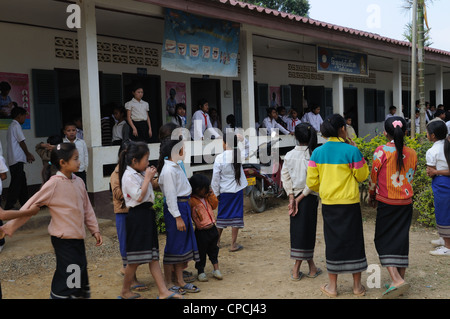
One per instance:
(202, 277)
(438, 242)
(217, 274)
(440, 251)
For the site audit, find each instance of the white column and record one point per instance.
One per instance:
(397, 86)
(90, 92)
(338, 94)
(247, 86)
(439, 85)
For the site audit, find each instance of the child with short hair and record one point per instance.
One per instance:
(118, 131)
(137, 116)
(70, 136)
(44, 150)
(70, 208)
(303, 203)
(203, 202)
(334, 171)
(292, 121)
(391, 190)
(179, 118)
(438, 163)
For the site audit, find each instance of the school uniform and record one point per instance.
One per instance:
(230, 193)
(70, 210)
(199, 124)
(303, 225)
(334, 171)
(181, 246)
(83, 156)
(271, 124)
(206, 232)
(393, 191)
(117, 132)
(139, 114)
(18, 189)
(314, 119)
(141, 231)
(292, 123)
(440, 184)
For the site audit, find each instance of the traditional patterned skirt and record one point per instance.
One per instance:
(142, 234)
(230, 212)
(181, 246)
(303, 229)
(70, 280)
(441, 192)
(392, 234)
(344, 240)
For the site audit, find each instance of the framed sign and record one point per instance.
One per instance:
(342, 62)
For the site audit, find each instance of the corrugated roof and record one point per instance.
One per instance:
(325, 25)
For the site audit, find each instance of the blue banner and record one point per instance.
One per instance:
(199, 45)
(342, 62)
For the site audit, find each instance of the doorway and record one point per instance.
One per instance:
(69, 93)
(351, 106)
(208, 89)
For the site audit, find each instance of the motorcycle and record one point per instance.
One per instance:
(264, 178)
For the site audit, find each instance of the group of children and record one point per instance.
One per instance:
(333, 172)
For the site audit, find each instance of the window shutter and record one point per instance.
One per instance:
(381, 106)
(47, 116)
(286, 96)
(369, 105)
(111, 89)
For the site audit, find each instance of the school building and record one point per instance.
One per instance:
(78, 62)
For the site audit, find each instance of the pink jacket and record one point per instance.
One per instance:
(69, 205)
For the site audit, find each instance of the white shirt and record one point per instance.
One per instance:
(173, 183)
(223, 180)
(292, 123)
(3, 167)
(314, 119)
(14, 136)
(83, 154)
(117, 131)
(131, 188)
(293, 173)
(199, 124)
(139, 109)
(271, 124)
(436, 157)
(448, 126)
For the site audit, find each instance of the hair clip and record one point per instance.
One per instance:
(397, 123)
(58, 147)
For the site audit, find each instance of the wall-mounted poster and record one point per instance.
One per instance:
(175, 93)
(342, 62)
(14, 91)
(199, 45)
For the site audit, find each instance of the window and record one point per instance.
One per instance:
(374, 106)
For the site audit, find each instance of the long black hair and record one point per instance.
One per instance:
(61, 151)
(198, 183)
(331, 126)
(232, 141)
(306, 134)
(440, 131)
(395, 127)
(165, 150)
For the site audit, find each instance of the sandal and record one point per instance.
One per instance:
(299, 276)
(318, 272)
(139, 287)
(177, 290)
(191, 288)
(329, 294)
(135, 296)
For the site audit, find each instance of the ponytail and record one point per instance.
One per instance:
(165, 150)
(306, 134)
(237, 165)
(440, 131)
(395, 127)
(330, 127)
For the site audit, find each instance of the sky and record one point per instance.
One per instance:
(384, 17)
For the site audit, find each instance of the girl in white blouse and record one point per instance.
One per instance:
(303, 202)
(228, 182)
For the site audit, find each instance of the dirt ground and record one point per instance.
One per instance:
(261, 270)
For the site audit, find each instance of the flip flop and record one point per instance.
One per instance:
(362, 293)
(300, 276)
(329, 294)
(393, 292)
(172, 296)
(318, 272)
(136, 296)
(139, 287)
(239, 247)
(177, 290)
(191, 288)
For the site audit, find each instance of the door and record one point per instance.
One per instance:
(208, 89)
(351, 106)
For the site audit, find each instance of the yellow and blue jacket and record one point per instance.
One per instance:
(334, 171)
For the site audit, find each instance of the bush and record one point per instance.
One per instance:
(158, 206)
(423, 199)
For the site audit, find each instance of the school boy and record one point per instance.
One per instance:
(70, 132)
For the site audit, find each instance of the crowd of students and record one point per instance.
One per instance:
(330, 172)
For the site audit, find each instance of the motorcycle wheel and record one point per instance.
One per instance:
(257, 201)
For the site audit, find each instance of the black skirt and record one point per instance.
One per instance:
(344, 239)
(142, 130)
(142, 234)
(70, 279)
(303, 229)
(392, 234)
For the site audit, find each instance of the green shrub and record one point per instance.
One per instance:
(158, 206)
(423, 199)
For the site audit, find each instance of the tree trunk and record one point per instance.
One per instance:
(421, 63)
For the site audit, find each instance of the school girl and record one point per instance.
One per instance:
(438, 163)
(334, 171)
(70, 208)
(303, 202)
(137, 116)
(391, 190)
(228, 182)
(181, 246)
(141, 230)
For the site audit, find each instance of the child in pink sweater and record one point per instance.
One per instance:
(66, 197)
